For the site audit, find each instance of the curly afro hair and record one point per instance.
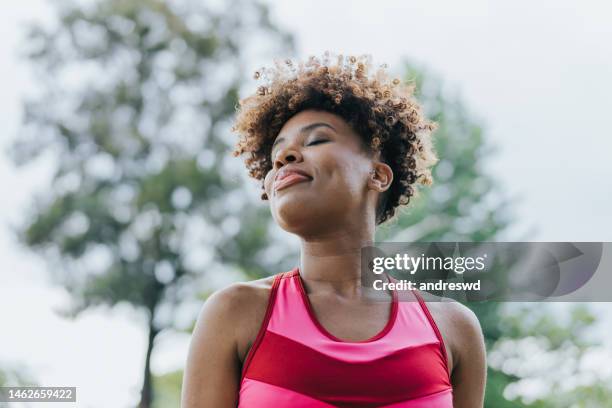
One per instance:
(381, 110)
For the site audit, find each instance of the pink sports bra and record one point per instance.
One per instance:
(294, 362)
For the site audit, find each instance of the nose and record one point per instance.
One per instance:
(285, 155)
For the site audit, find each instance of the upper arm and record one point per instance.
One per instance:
(469, 365)
(212, 372)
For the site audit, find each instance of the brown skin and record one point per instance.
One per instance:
(334, 216)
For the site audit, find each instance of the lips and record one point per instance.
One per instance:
(286, 178)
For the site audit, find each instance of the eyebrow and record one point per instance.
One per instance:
(305, 129)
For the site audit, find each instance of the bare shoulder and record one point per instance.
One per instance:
(458, 324)
(212, 370)
(464, 339)
(239, 294)
(237, 311)
(237, 300)
(449, 309)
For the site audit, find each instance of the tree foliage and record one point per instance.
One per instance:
(135, 102)
(466, 204)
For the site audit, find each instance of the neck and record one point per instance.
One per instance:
(331, 263)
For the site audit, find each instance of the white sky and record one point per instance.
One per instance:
(538, 75)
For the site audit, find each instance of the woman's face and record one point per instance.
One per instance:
(320, 177)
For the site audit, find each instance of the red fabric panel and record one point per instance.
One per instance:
(405, 374)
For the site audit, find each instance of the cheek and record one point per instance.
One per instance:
(345, 173)
(268, 183)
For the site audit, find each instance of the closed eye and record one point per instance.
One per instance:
(316, 142)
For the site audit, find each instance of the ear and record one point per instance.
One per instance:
(381, 177)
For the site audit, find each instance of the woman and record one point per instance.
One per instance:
(338, 149)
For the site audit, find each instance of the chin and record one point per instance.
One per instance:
(292, 213)
(302, 214)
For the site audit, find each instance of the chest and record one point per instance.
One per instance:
(337, 318)
(349, 320)
(304, 361)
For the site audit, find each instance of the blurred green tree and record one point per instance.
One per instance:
(15, 376)
(168, 389)
(11, 376)
(135, 103)
(542, 358)
(465, 204)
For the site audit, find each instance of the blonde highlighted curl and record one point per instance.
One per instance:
(381, 110)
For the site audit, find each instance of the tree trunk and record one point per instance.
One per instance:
(146, 395)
